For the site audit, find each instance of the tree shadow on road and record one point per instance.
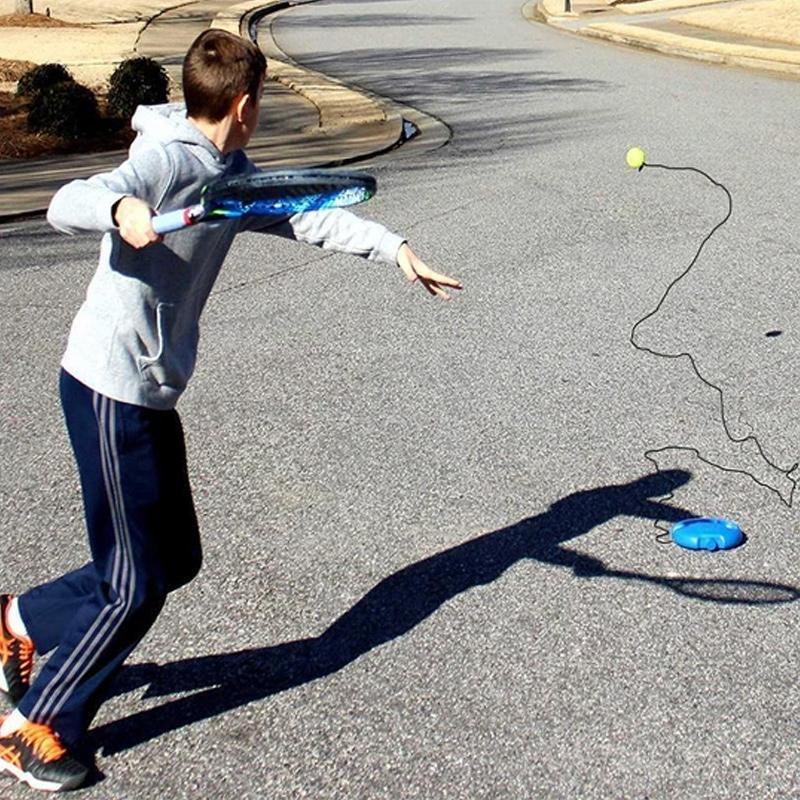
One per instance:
(457, 74)
(397, 604)
(489, 96)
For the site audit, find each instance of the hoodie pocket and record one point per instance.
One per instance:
(173, 363)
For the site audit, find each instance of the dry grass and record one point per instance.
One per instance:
(774, 20)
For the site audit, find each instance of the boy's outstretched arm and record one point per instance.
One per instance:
(416, 270)
(342, 230)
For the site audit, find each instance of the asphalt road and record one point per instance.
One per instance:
(431, 561)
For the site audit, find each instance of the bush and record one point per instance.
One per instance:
(66, 109)
(42, 77)
(137, 81)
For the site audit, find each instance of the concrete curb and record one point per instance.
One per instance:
(771, 59)
(751, 57)
(415, 130)
(338, 105)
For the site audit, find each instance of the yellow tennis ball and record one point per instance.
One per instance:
(635, 158)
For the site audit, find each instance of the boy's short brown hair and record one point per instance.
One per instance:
(218, 68)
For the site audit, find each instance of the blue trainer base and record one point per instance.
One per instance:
(707, 533)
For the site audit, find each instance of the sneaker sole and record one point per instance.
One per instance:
(36, 783)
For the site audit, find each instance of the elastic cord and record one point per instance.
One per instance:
(664, 535)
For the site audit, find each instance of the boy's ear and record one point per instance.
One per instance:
(240, 105)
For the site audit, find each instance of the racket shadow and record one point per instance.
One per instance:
(224, 681)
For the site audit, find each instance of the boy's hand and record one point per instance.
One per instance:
(134, 217)
(415, 270)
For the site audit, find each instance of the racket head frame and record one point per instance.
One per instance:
(277, 193)
(286, 192)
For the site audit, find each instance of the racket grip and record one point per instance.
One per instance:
(175, 220)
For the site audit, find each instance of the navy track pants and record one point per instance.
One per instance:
(144, 543)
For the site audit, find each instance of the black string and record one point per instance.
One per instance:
(665, 536)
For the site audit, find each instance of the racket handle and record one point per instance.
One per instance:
(175, 220)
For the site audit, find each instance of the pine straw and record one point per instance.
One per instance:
(16, 141)
(33, 21)
(13, 70)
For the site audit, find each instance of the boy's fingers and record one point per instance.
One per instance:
(426, 273)
(414, 269)
(139, 240)
(428, 287)
(445, 280)
(434, 289)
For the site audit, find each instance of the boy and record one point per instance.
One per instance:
(130, 353)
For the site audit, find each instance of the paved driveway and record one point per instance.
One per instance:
(431, 562)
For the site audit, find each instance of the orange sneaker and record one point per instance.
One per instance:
(36, 755)
(16, 657)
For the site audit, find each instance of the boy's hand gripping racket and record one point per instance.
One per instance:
(274, 193)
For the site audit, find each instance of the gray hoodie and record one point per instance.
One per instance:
(135, 337)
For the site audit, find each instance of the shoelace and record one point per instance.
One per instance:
(26, 659)
(6, 648)
(11, 755)
(43, 740)
(25, 654)
(7, 643)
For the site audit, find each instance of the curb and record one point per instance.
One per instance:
(411, 128)
(354, 109)
(533, 13)
(776, 60)
(538, 10)
(761, 58)
(338, 105)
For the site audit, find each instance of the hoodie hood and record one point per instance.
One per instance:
(168, 124)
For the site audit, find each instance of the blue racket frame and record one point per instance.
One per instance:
(278, 193)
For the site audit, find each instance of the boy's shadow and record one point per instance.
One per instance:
(398, 603)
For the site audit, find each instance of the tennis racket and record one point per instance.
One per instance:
(271, 193)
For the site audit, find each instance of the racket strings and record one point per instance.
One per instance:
(664, 535)
(295, 202)
(285, 199)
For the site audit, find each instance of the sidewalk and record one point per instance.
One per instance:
(307, 119)
(756, 34)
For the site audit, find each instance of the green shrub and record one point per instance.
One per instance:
(66, 109)
(42, 77)
(137, 81)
